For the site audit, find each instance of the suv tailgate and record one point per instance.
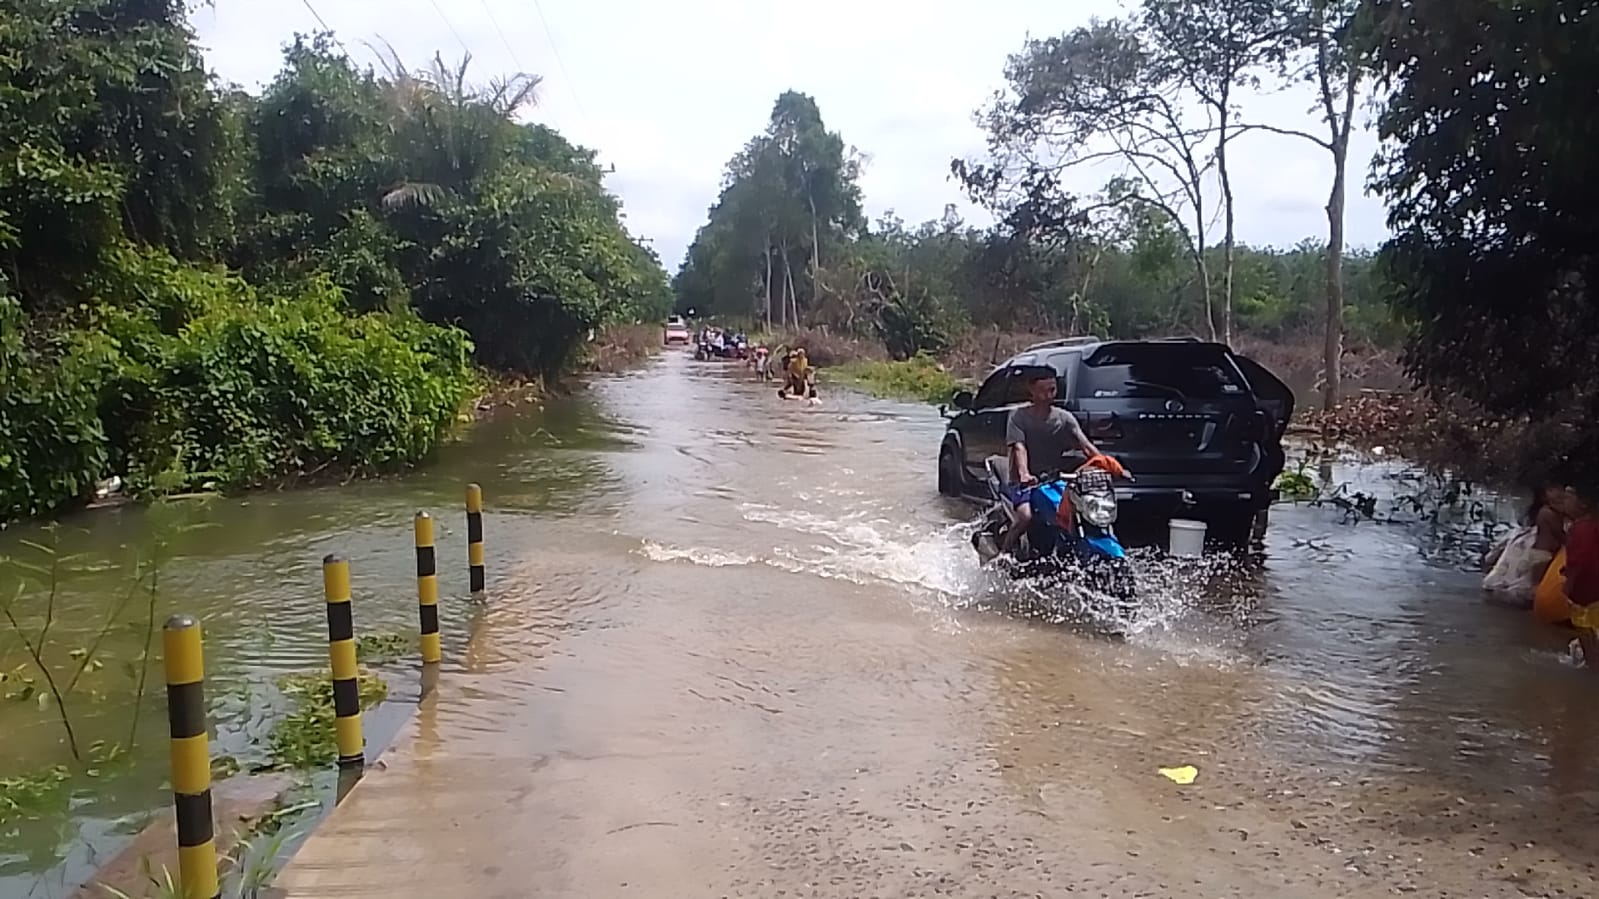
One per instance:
(1181, 407)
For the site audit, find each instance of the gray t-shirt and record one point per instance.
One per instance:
(1047, 437)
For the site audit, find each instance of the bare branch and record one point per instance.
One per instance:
(1286, 132)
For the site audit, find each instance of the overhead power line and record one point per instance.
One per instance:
(450, 25)
(503, 39)
(560, 64)
(326, 27)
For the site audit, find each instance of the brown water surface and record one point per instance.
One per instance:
(738, 646)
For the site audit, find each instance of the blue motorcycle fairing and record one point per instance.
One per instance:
(1045, 499)
(1107, 545)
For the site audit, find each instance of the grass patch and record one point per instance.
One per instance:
(919, 378)
(304, 738)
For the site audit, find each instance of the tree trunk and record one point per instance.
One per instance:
(1333, 351)
(768, 255)
(816, 248)
(1202, 268)
(1227, 239)
(788, 288)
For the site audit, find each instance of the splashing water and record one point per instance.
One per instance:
(1177, 598)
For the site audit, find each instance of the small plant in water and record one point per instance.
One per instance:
(379, 649)
(1296, 485)
(31, 794)
(304, 738)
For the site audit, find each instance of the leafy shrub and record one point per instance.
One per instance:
(52, 443)
(917, 378)
(912, 324)
(198, 381)
(269, 387)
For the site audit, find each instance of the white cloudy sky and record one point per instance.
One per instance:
(667, 92)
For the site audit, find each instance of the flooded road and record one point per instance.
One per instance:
(757, 659)
(740, 647)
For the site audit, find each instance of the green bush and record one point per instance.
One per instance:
(200, 382)
(917, 378)
(52, 443)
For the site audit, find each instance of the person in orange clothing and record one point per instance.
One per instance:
(1582, 571)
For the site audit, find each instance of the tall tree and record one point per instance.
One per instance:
(789, 193)
(1492, 183)
(1215, 48)
(1323, 44)
(1101, 93)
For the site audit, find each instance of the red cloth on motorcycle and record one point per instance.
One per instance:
(1063, 512)
(1106, 464)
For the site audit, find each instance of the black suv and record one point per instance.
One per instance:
(1199, 426)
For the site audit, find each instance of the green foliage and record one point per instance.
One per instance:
(419, 187)
(1298, 484)
(790, 199)
(29, 795)
(1129, 269)
(1492, 182)
(305, 737)
(204, 289)
(917, 378)
(910, 325)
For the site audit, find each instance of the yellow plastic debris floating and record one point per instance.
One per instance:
(1182, 776)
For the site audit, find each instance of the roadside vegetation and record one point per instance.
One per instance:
(205, 289)
(920, 377)
(1482, 347)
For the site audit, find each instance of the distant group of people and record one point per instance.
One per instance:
(792, 366)
(1550, 564)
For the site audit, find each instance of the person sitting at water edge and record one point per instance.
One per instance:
(1518, 562)
(1038, 433)
(1582, 571)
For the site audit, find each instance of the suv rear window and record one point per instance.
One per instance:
(1160, 371)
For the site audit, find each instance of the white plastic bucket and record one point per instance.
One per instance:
(1187, 537)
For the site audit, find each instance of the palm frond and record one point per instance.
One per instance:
(413, 193)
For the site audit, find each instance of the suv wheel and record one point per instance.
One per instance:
(950, 476)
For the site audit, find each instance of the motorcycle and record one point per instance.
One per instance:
(1072, 532)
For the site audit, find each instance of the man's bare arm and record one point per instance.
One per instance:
(1083, 443)
(1018, 463)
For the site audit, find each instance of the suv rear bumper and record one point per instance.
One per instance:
(1199, 501)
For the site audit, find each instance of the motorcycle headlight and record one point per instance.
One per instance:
(1099, 509)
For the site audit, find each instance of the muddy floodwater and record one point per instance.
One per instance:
(740, 647)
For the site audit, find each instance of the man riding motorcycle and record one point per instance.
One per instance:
(1039, 433)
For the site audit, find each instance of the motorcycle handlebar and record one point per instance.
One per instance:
(1069, 477)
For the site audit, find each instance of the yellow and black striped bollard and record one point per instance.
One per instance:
(341, 652)
(474, 538)
(427, 589)
(191, 758)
